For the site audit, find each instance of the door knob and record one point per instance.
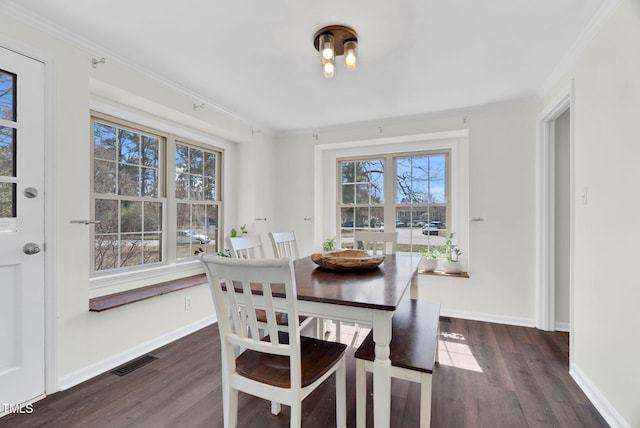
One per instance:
(31, 248)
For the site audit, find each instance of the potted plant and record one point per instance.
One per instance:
(452, 264)
(329, 244)
(429, 261)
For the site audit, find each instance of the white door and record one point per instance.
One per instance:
(22, 355)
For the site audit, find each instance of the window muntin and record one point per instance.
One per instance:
(131, 203)
(411, 189)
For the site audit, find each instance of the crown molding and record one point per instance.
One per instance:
(597, 21)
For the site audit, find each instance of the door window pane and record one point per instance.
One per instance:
(7, 96)
(7, 152)
(7, 200)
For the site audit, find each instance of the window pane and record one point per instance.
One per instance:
(348, 174)
(363, 195)
(196, 185)
(130, 216)
(150, 147)
(348, 193)
(131, 250)
(104, 177)
(128, 180)
(182, 186)
(106, 252)
(149, 182)
(7, 96)
(106, 212)
(104, 141)
(182, 158)
(152, 248)
(129, 147)
(210, 189)
(152, 216)
(7, 152)
(7, 201)
(209, 164)
(196, 161)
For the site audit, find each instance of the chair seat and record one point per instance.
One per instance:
(281, 317)
(317, 356)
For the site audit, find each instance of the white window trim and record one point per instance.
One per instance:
(129, 280)
(325, 175)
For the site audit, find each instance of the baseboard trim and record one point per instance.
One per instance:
(608, 412)
(92, 370)
(562, 326)
(499, 319)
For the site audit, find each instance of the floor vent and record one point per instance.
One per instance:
(133, 365)
(445, 319)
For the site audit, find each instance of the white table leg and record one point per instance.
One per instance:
(382, 369)
(413, 290)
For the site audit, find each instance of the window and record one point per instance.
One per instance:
(151, 208)
(404, 192)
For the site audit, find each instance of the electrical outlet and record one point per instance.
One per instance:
(187, 303)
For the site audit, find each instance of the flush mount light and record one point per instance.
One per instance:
(333, 41)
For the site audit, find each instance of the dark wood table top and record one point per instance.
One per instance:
(381, 288)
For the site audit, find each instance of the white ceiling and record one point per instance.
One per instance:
(255, 58)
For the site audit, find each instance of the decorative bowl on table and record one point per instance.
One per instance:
(347, 260)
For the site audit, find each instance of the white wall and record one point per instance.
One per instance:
(87, 342)
(501, 181)
(606, 77)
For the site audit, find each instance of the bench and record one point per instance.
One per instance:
(413, 353)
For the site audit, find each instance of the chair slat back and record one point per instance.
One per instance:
(376, 242)
(245, 247)
(263, 275)
(284, 245)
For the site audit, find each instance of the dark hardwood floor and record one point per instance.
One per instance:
(490, 375)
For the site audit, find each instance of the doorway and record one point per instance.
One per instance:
(554, 217)
(22, 289)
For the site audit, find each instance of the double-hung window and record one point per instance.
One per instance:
(405, 192)
(155, 198)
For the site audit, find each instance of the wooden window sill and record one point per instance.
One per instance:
(442, 273)
(115, 300)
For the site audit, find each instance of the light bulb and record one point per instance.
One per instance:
(351, 55)
(326, 47)
(328, 70)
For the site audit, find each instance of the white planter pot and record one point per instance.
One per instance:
(428, 265)
(452, 267)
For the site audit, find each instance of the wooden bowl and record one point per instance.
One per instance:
(347, 260)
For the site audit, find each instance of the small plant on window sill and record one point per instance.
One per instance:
(329, 244)
(452, 264)
(429, 261)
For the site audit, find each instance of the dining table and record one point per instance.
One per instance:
(364, 297)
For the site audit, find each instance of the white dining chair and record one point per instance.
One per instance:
(284, 245)
(245, 247)
(250, 247)
(285, 365)
(375, 242)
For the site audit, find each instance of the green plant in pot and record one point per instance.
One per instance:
(452, 264)
(329, 244)
(429, 261)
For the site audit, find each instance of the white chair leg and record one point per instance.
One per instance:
(230, 407)
(425, 400)
(341, 395)
(361, 394)
(275, 408)
(296, 415)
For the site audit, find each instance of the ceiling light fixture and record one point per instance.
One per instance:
(333, 41)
